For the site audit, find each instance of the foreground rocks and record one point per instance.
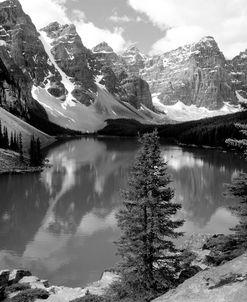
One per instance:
(222, 249)
(19, 285)
(227, 283)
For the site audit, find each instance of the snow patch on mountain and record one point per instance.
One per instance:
(46, 41)
(180, 112)
(240, 98)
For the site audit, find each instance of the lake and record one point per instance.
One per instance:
(61, 225)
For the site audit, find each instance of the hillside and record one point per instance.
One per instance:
(15, 124)
(210, 131)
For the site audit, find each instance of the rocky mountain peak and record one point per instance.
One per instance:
(61, 32)
(102, 47)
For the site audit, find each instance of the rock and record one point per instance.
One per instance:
(22, 61)
(193, 74)
(73, 58)
(34, 282)
(120, 75)
(134, 59)
(227, 283)
(135, 91)
(17, 274)
(222, 248)
(188, 273)
(4, 277)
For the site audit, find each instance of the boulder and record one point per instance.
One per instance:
(227, 283)
(17, 274)
(222, 248)
(4, 277)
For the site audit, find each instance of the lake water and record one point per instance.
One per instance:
(60, 223)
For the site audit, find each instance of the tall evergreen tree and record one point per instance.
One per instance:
(20, 147)
(238, 189)
(1, 135)
(149, 260)
(5, 138)
(35, 154)
(32, 155)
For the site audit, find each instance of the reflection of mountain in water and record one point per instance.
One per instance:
(199, 179)
(79, 193)
(61, 223)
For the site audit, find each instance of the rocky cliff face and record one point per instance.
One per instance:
(194, 74)
(238, 73)
(227, 282)
(120, 75)
(50, 74)
(22, 60)
(73, 59)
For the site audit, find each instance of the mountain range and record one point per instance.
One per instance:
(49, 79)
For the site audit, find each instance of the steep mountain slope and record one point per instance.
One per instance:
(21, 61)
(15, 124)
(191, 82)
(52, 76)
(120, 78)
(195, 74)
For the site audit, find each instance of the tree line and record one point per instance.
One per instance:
(13, 141)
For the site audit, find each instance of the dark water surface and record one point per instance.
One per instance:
(61, 223)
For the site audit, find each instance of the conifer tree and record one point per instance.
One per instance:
(149, 260)
(1, 135)
(20, 147)
(35, 152)
(32, 155)
(238, 189)
(11, 144)
(5, 138)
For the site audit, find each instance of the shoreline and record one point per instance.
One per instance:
(16, 282)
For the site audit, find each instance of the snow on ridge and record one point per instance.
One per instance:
(181, 112)
(69, 86)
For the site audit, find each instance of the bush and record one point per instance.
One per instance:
(30, 295)
(90, 298)
(16, 287)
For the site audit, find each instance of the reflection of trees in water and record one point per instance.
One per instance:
(24, 201)
(81, 190)
(82, 178)
(199, 183)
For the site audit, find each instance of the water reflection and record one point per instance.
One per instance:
(61, 223)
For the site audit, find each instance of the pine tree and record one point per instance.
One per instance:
(32, 155)
(20, 147)
(35, 152)
(238, 189)
(5, 138)
(11, 144)
(1, 135)
(38, 153)
(149, 260)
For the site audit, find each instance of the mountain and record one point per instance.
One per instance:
(50, 76)
(191, 82)
(50, 79)
(21, 61)
(195, 74)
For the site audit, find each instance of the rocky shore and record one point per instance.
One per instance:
(215, 269)
(10, 163)
(19, 285)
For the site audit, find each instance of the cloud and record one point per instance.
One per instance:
(46, 11)
(187, 21)
(119, 19)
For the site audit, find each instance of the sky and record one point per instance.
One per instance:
(155, 26)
